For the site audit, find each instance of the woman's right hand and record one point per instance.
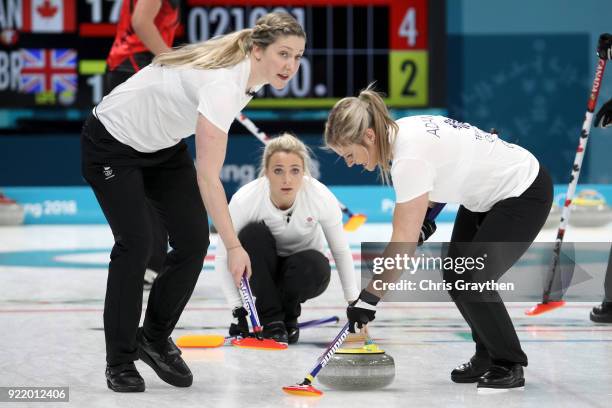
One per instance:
(239, 264)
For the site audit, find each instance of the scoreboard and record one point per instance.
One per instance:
(54, 51)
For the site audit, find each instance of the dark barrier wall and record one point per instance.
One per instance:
(55, 161)
(524, 67)
(490, 38)
(532, 90)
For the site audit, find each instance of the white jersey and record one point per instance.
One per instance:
(314, 216)
(457, 163)
(158, 106)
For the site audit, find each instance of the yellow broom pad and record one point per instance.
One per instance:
(356, 221)
(201, 340)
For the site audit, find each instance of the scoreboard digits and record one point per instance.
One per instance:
(96, 7)
(408, 57)
(204, 23)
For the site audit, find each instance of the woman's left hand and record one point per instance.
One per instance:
(239, 264)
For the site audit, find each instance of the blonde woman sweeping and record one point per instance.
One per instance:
(133, 153)
(504, 196)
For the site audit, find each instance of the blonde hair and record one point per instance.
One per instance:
(352, 116)
(230, 49)
(286, 143)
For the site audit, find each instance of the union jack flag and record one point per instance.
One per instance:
(45, 70)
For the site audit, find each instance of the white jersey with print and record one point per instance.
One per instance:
(314, 217)
(158, 106)
(457, 163)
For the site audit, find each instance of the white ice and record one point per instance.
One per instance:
(51, 321)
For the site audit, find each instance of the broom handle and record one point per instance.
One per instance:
(575, 174)
(249, 305)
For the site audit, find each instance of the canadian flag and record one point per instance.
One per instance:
(49, 16)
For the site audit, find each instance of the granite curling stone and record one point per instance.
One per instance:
(357, 369)
(589, 209)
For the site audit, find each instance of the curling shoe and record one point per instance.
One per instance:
(165, 359)
(293, 331)
(276, 331)
(124, 378)
(471, 371)
(602, 313)
(502, 378)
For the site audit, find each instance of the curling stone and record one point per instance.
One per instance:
(11, 213)
(356, 369)
(589, 209)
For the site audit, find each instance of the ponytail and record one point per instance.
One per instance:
(349, 119)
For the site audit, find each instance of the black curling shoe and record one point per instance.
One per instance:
(124, 378)
(602, 313)
(471, 371)
(293, 331)
(500, 378)
(276, 331)
(165, 359)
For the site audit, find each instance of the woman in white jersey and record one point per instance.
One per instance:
(133, 153)
(504, 196)
(284, 217)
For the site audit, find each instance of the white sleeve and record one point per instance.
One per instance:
(340, 249)
(232, 295)
(411, 178)
(219, 103)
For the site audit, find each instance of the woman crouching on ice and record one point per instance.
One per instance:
(284, 218)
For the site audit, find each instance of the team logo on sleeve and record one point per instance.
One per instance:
(108, 172)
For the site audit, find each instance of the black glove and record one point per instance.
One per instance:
(242, 327)
(362, 311)
(604, 46)
(604, 115)
(427, 230)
